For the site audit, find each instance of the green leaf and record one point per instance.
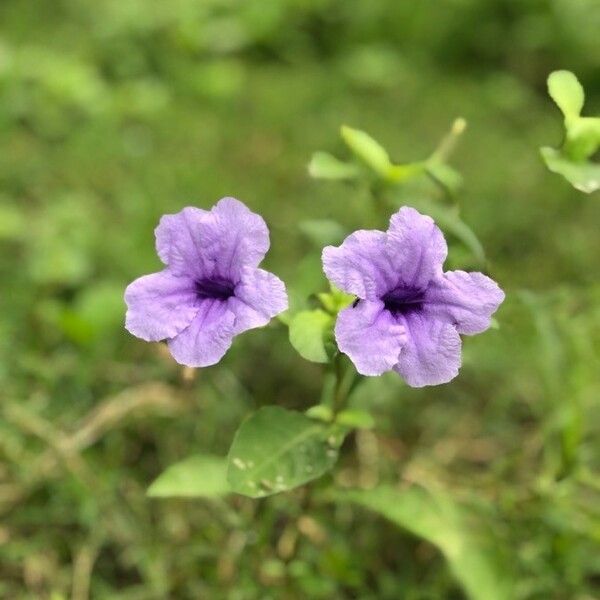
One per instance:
(583, 138)
(275, 450)
(335, 300)
(564, 88)
(311, 332)
(199, 476)
(584, 176)
(306, 279)
(322, 412)
(471, 552)
(367, 149)
(325, 166)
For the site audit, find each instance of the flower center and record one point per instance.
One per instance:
(215, 288)
(402, 301)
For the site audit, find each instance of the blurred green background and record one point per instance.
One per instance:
(113, 112)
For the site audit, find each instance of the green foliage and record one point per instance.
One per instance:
(311, 331)
(276, 450)
(198, 476)
(325, 166)
(584, 176)
(311, 334)
(374, 156)
(364, 147)
(335, 300)
(564, 88)
(392, 177)
(435, 517)
(582, 135)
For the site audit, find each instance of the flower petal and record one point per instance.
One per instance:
(218, 242)
(232, 237)
(259, 297)
(417, 247)
(207, 338)
(432, 354)
(160, 305)
(465, 300)
(370, 336)
(178, 244)
(361, 265)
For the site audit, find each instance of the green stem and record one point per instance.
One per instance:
(449, 141)
(338, 399)
(346, 381)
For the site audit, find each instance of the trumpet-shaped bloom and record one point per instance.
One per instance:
(409, 313)
(211, 288)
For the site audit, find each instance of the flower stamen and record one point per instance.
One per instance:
(402, 301)
(215, 288)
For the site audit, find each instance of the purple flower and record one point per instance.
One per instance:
(211, 288)
(409, 313)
